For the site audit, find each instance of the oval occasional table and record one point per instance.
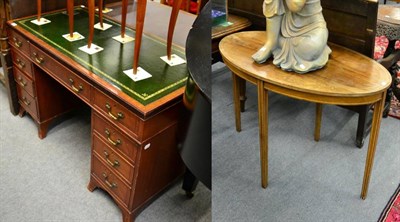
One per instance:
(349, 78)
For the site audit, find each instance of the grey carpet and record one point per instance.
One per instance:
(46, 180)
(308, 180)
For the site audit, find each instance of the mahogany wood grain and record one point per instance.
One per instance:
(349, 78)
(39, 9)
(116, 187)
(17, 41)
(151, 152)
(100, 7)
(24, 81)
(144, 111)
(126, 147)
(22, 62)
(91, 21)
(171, 27)
(129, 121)
(109, 156)
(70, 9)
(28, 102)
(123, 17)
(66, 77)
(141, 12)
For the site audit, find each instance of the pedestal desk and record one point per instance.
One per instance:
(134, 124)
(349, 78)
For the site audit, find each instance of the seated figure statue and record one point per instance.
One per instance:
(296, 35)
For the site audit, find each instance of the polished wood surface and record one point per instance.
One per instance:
(39, 9)
(100, 8)
(234, 24)
(237, 49)
(349, 78)
(91, 22)
(389, 13)
(134, 145)
(141, 12)
(124, 11)
(237, 23)
(171, 26)
(70, 10)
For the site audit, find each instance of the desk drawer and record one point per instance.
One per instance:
(22, 62)
(27, 102)
(68, 78)
(17, 41)
(112, 159)
(110, 181)
(115, 139)
(116, 113)
(24, 82)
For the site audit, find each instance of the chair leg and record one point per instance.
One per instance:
(362, 125)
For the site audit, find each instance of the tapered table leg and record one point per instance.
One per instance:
(373, 140)
(318, 117)
(236, 100)
(242, 92)
(263, 129)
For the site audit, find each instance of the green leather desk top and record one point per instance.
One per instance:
(110, 63)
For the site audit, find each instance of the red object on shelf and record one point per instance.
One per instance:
(192, 7)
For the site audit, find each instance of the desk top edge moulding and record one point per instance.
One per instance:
(166, 80)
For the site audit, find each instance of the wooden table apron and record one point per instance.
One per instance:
(349, 78)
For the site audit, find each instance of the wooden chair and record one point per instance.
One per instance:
(353, 25)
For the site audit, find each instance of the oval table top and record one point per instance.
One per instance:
(347, 74)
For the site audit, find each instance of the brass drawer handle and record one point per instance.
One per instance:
(110, 185)
(17, 43)
(77, 90)
(20, 64)
(114, 143)
(113, 164)
(25, 101)
(20, 82)
(38, 58)
(119, 115)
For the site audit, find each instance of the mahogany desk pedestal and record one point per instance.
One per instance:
(134, 124)
(349, 78)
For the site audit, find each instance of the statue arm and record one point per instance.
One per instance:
(295, 5)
